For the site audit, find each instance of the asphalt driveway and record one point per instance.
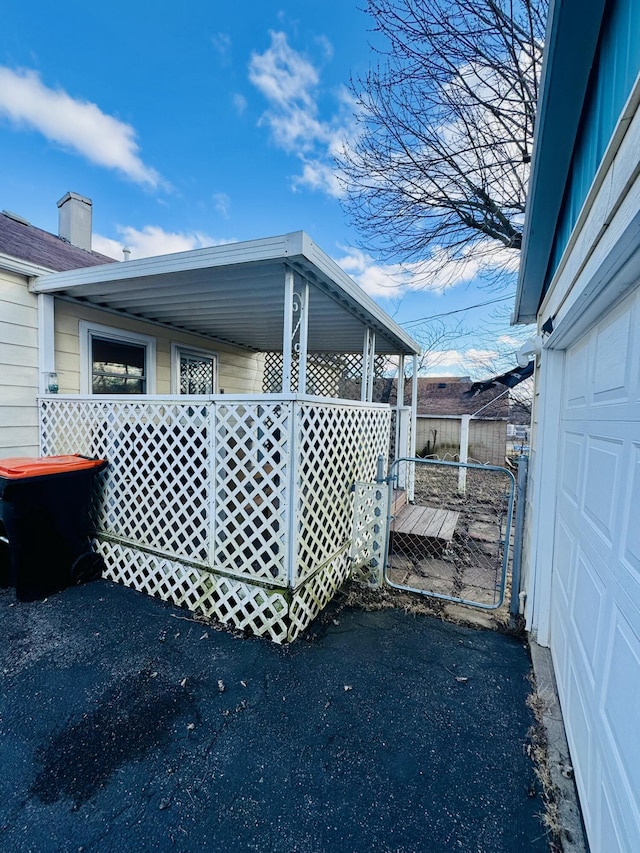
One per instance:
(126, 726)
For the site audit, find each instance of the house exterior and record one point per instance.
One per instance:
(211, 382)
(580, 282)
(444, 404)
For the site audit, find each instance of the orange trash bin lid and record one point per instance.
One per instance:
(21, 467)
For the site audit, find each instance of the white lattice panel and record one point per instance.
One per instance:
(253, 447)
(337, 446)
(245, 606)
(369, 532)
(223, 484)
(156, 490)
(316, 593)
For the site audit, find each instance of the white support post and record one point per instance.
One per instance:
(364, 380)
(303, 338)
(403, 448)
(464, 453)
(400, 394)
(287, 332)
(372, 366)
(46, 341)
(399, 405)
(414, 430)
(414, 406)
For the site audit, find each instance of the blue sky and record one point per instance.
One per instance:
(200, 123)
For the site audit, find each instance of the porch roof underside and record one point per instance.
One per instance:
(235, 293)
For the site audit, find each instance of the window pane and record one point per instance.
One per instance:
(117, 368)
(196, 374)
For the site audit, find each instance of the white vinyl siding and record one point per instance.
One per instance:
(239, 372)
(18, 367)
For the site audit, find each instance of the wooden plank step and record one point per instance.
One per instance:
(406, 519)
(427, 522)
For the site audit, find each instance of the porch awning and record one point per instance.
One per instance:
(235, 293)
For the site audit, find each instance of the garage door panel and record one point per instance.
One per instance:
(572, 455)
(576, 372)
(559, 610)
(564, 558)
(631, 529)
(602, 483)
(620, 701)
(612, 358)
(607, 833)
(587, 605)
(580, 739)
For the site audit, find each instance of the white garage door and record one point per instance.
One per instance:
(595, 627)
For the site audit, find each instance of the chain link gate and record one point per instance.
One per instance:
(452, 540)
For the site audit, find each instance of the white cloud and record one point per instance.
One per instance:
(509, 340)
(453, 362)
(326, 46)
(76, 124)
(282, 74)
(289, 82)
(317, 175)
(222, 45)
(437, 273)
(151, 241)
(223, 203)
(239, 103)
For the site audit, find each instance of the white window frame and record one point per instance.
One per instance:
(88, 330)
(177, 350)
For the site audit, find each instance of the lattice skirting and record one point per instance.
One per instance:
(278, 615)
(316, 593)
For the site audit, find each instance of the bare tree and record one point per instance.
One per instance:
(436, 340)
(438, 171)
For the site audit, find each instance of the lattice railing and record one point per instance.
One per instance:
(253, 450)
(328, 375)
(337, 446)
(157, 490)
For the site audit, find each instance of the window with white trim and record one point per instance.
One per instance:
(194, 371)
(115, 361)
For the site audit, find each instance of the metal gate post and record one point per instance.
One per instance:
(516, 566)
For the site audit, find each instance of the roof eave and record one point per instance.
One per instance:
(572, 23)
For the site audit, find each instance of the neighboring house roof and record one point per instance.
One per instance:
(19, 239)
(442, 396)
(572, 36)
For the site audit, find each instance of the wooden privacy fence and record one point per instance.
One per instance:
(440, 437)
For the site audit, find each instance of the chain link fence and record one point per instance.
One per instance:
(452, 541)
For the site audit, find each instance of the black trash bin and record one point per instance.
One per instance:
(44, 524)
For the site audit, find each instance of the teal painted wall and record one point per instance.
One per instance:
(616, 67)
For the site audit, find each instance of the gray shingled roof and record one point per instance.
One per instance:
(446, 396)
(27, 243)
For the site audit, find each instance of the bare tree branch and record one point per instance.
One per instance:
(446, 121)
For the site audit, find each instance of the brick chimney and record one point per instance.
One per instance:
(74, 220)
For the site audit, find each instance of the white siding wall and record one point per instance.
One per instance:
(18, 367)
(239, 372)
